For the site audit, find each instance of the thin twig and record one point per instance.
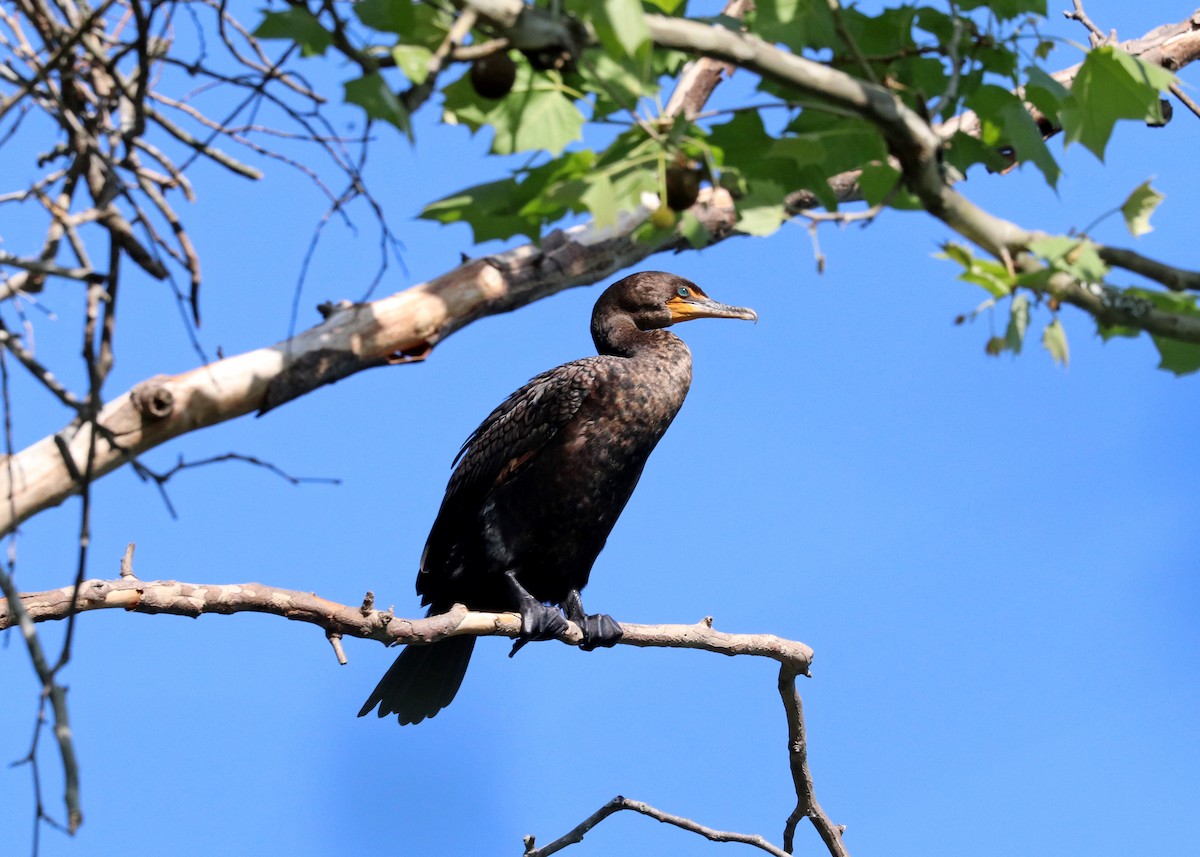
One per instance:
(1095, 34)
(1188, 102)
(620, 803)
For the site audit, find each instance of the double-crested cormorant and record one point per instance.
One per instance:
(540, 484)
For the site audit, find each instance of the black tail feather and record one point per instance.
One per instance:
(423, 680)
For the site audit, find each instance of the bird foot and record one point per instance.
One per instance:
(599, 630)
(538, 622)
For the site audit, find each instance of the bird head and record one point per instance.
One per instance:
(656, 299)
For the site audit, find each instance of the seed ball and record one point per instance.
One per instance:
(663, 217)
(683, 186)
(493, 75)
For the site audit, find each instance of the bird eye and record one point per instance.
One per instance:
(683, 292)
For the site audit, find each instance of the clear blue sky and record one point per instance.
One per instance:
(994, 559)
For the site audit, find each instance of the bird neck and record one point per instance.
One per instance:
(619, 336)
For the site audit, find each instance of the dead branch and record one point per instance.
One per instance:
(350, 620)
(339, 620)
(576, 834)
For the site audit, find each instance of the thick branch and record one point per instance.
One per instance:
(353, 337)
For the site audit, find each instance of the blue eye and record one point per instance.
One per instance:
(683, 292)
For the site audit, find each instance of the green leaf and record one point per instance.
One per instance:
(964, 151)
(388, 16)
(799, 24)
(1018, 321)
(1054, 340)
(617, 84)
(1182, 358)
(621, 27)
(413, 60)
(880, 183)
(694, 231)
(1006, 9)
(848, 144)
(1138, 208)
(761, 211)
(540, 118)
(488, 208)
(1109, 86)
(300, 26)
(1111, 331)
(669, 7)
(372, 93)
(877, 181)
(1045, 93)
(1004, 121)
(601, 200)
(1179, 357)
(1075, 256)
(535, 115)
(991, 276)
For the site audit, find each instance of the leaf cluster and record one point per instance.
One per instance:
(986, 58)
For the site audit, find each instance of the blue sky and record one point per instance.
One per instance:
(994, 559)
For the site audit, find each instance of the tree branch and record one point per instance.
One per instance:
(410, 323)
(196, 599)
(576, 834)
(338, 620)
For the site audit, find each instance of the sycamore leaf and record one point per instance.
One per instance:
(621, 27)
(1044, 92)
(1054, 340)
(761, 211)
(988, 275)
(799, 24)
(1006, 9)
(694, 231)
(1182, 358)
(1138, 208)
(535, 115)
(372, 93)
(1018, 321)
(413, 60)
(481, 206)
(298, 25)
(1179, 357)
(1075, 256)
(601, 200)
(388, 16)
(1004, 121)
(1109, 86)
(880, 183)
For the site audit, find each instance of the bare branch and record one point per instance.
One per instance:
(806, 800)
(619, 803)
(1175, 279)
(351, 620)
(1095, 34)
(15, 615)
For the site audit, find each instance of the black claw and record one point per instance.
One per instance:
(599, 630)
(538, 622)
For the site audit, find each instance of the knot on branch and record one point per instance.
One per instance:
(152, 398)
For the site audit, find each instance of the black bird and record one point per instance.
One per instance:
(540, 484)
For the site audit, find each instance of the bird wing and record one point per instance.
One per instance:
(505, 442)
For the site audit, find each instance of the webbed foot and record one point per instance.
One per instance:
(599, 630)
(538, 622)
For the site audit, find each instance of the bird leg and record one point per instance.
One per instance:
(599, 629)
(538, 622)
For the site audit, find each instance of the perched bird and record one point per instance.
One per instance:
(540, 484)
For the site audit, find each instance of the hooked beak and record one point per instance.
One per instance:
(702, 306)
